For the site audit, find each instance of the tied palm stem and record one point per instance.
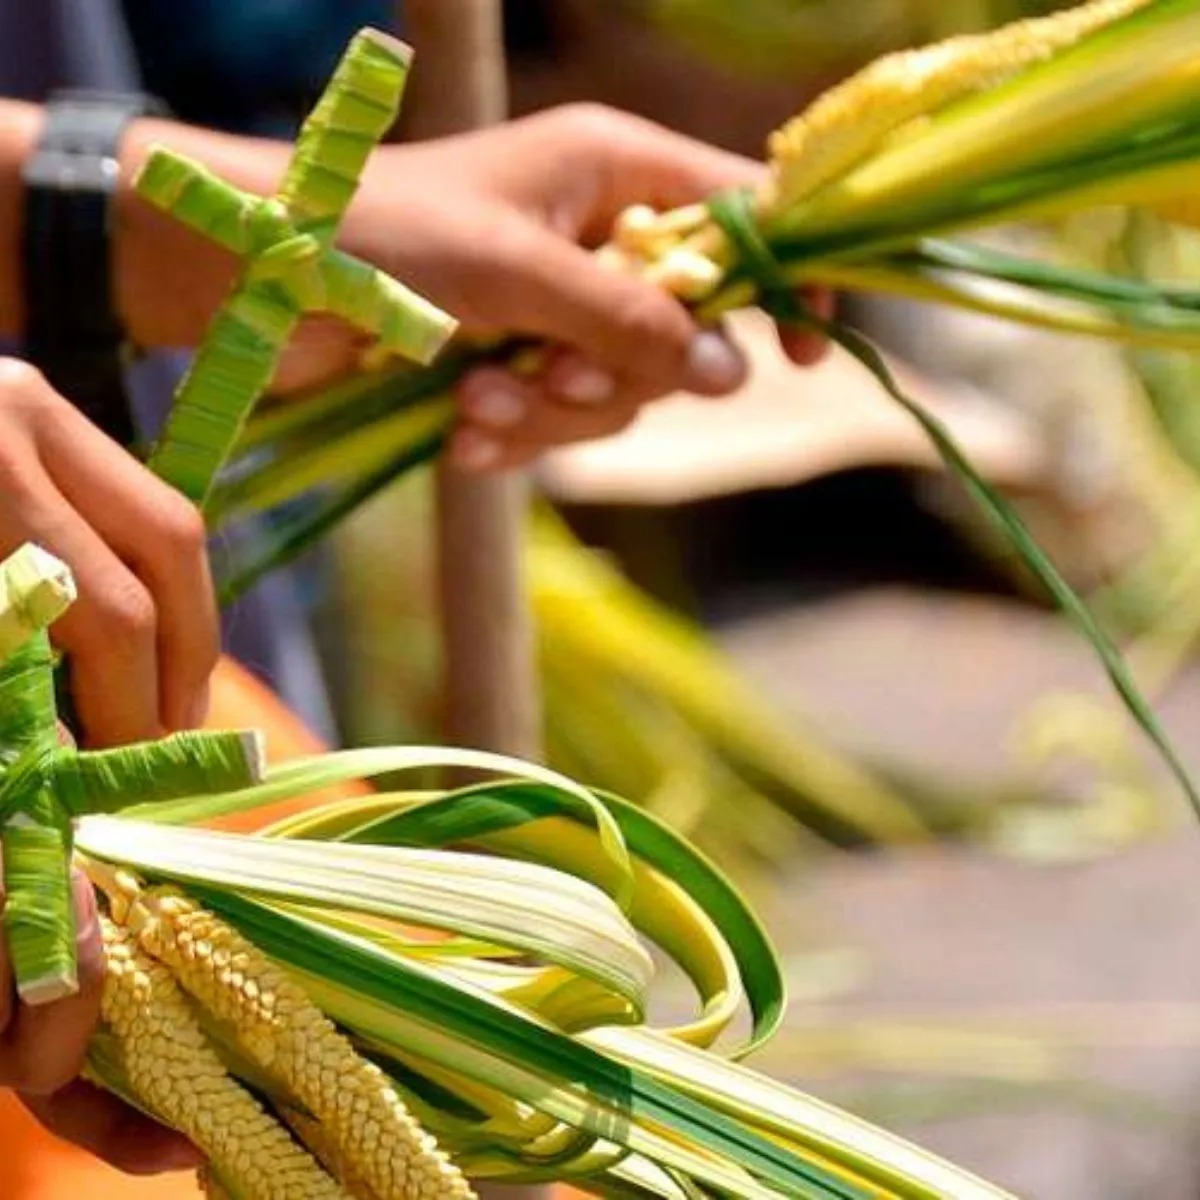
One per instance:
(1095, 103)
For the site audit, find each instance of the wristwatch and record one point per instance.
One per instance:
(72, 330)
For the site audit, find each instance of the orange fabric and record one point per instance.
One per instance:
(36, 1166)
(240, 701)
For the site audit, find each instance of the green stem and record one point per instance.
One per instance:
(184, 764)
(39, 919)
(230, 372)
(361, 451)
(300, 534)
(1007, 520)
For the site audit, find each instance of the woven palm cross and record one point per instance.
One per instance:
(45, 786)
(289, 264)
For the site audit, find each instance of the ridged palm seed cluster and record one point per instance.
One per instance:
(849, 122)
(174, 970)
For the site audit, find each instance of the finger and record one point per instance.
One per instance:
(506, 420)
(806, 347)
(643, 338)
(110, 634)
(43, 1048)
(573, 379)
(717, 367)
(477, 447)
(499, 399)
(495, 398)
(157, 533)
(99, 1123)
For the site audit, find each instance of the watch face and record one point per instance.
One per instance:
(71, 171)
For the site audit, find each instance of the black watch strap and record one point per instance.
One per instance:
(72, 330)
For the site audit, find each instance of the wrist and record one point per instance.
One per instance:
(169, 280)
(22, 125)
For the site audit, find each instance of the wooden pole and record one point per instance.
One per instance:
(490, 692)
(459, 82)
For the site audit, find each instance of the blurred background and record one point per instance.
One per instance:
(771, 618)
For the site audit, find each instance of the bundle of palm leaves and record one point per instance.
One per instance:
(315, 1005)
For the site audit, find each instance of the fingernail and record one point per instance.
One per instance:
(87, 920)
(582, 383)
(474, 451)
(713, 365)
(499, 405)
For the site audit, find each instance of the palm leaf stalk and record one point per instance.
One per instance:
(863, 190)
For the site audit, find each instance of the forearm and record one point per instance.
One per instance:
(167, 280)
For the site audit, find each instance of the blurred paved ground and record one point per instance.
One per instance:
(1072, 992)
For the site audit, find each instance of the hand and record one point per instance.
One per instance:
(142, 638)
(42, 1052)
(494, 227)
